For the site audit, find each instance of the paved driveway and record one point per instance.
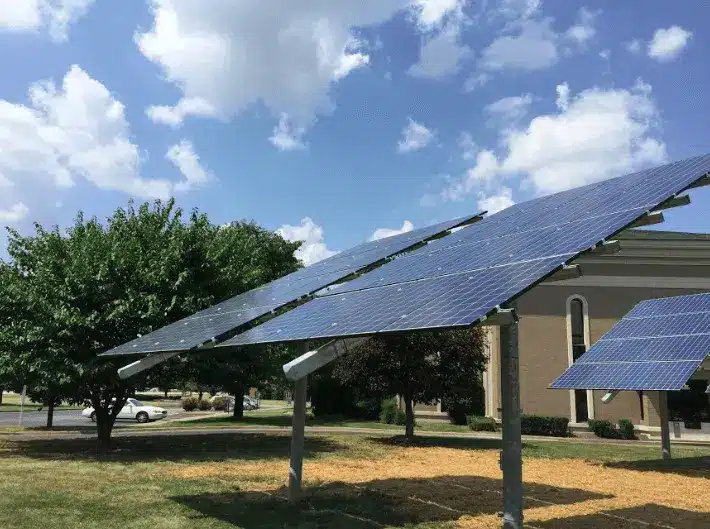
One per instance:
(63, 418)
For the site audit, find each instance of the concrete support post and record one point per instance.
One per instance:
(511, 458)
(295, 473)
(665, 424)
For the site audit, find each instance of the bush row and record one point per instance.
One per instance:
(530, 425)
(609, 430)
(193, 403)
(391, 414)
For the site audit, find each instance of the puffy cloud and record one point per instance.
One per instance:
(597, 134)
(76, 130)
(433, 12)
(14, 213)
(183, 156)
(33, 15)
(468, 147)
(310, 234)
(175, 115)
(476, 80)
(667, 44)
(583, 30)
(286, 56)
(441, 54)
(509, 109)
(381, 233)
(286, 136)
(496, 202)
(415, 136)
(533, 48)
(634, 46)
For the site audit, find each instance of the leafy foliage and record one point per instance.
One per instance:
(626, 429)
(541, 425)
(482, 424)
(419, 367)
(190, 403)
(66, 297)
(604, 429)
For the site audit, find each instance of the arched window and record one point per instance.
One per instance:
(581, 401)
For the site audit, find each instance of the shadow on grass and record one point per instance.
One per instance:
(185, 446)
(387, 502)
(248, 420)
(687, 466)
(463, 443)
(633, 518)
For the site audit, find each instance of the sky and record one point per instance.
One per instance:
(339, 122)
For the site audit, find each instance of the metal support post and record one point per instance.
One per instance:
(511, 458)
(665, 425)
(295, 472)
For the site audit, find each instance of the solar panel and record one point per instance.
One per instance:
(504, 254)
(657, 346)
(220, 320)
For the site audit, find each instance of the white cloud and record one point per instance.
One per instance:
(33, 15)
(583, 30)
(597, 134)
(667, 44)
(441, 54)
(509, 109)
(286, 56)
(476, 80)
(76, 130)
(634, 46)
(534, 48)
(496, 202)
(381, 233)
(175, 115)
(15, 213)
(415, 136)
(432, 12)
(518, 10)
(468, 147)
(286, 136)
(183, 156)
(313, 248)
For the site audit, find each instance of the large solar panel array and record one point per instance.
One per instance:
(657, 346)
(223, 318)
(461, 279)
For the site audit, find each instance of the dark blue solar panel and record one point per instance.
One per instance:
(647, 376)
(656, 346)
(548, 231)
(231, 314)
(445, 301)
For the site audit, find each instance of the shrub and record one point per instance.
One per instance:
(369, 408)
(463, 403)
(549, 426)
(400, 417)
(481, 424)
(220, 403)
(189, 403)
(604, 429)
(388, 411)
(626, 429)
(204, 405)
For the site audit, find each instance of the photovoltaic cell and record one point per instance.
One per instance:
(223, 318)
(658, 345)
(503, 254)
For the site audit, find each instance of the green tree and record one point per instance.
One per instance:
(75, 294)
(419, 367)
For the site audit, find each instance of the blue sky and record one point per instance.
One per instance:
(333, 121)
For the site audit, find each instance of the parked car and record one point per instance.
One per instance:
(132, 410)
(250, 404)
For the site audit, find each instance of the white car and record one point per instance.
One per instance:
(133, 410)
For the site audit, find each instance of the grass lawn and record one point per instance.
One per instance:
(11, 402)
(228, 481)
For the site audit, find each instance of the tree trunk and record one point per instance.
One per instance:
(104, 426)
(238, 412)
(1, 390)
(50, 413)
(166, 394)
(409, 428)
(199, 395)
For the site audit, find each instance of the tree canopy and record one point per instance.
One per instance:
(418, 367)
(67, 296)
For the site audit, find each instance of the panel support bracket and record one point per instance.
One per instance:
(674, 202)
(702, 182)
(311, 361)
(511, 458)
(648, 220)
(566, 272)
(144, 363)
(607, 248)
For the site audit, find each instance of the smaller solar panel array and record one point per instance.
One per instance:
(216, 321)
(655, 347)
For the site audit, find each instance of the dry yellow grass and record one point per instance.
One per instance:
(559, 493)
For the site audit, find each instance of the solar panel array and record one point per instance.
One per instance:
(461, 279)
(655, 347)
(223, 318)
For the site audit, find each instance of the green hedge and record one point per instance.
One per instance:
(204, 405)
(481, 424)
(391, 414)
(541, 425)
(604, 429)
(220, 403)
(189, 403)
